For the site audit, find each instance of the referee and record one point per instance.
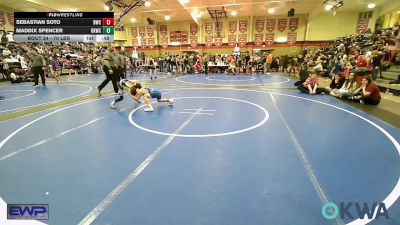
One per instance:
(110, 69)
(38, 62)
(120, 64)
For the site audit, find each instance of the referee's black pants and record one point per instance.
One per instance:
(36, 71)
(114, 78)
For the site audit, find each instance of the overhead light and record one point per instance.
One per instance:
(332, 4)
(196, 14)
(371, 5)
(108, 6)
(73, 10)
(328, 7)
(281, 39)
(184, 1)
(133, 20)
(167, 17)
(147, 3)
(271, 10)
(234, 13)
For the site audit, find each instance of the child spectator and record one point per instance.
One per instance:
(311, 85)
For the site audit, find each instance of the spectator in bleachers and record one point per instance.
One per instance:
(6, 52)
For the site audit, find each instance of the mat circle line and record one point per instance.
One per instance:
(23, 96)
(265, 119)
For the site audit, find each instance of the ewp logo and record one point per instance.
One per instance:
(346, 210)
(27, 211)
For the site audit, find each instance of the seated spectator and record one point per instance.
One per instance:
(346, 67)
(336, 84)
(348, 87)
(6, 52)
(337, 67)
(303, 74)
(362, 61)
(318, 68)
(15, 78)
(368, 93)
(311, 85)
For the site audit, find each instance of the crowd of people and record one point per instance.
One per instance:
(344, 61)
(353, 63)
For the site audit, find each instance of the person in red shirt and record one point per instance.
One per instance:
(362, 62)
(368, 93)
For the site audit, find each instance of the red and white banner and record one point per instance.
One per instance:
(194, 40)
(135, 42)
(150, 31)
(258, 39)
(194, 29)
(243, 26)
(293, 24)
(142, 31)
(2, 19)
(11, 18)
(271, 23)
(269, 39)
(242, 39)
(291, 38)
(164, 42)
(208, 41)
(150, 42)
(232, 26)
(232, 40)
(163, 30)
(282, 24)
(218, 41)
(260, 25)
(362, 25)
(208, 28)
(134, 32)
(143, 42)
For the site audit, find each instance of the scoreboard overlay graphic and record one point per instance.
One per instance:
(64, 26)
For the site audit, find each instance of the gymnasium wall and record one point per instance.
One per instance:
(326, 26)
(5, 14)
(319, 31)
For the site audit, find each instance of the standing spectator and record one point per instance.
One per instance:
(268, 61)
(376, 64)
(205, 61)
(38, 62)
(55, 68)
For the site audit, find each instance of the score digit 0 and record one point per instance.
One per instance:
(108, 30)
(108, 21)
